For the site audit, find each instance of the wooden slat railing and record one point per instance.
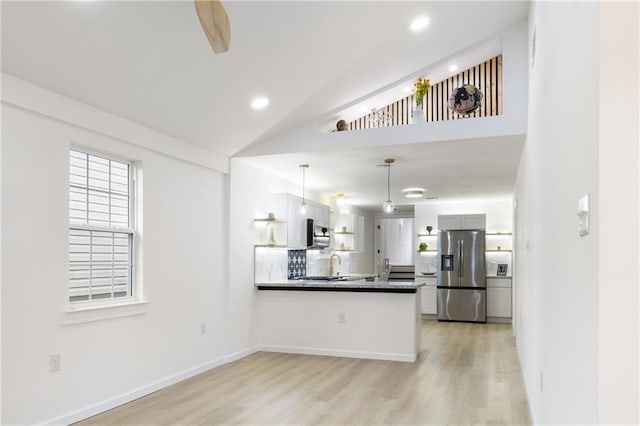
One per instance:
(486, 76)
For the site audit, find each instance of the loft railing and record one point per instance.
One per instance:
(486, 76)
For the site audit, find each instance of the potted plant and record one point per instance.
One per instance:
(422, 247)
(421, 87)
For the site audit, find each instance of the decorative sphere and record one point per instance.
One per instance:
(465, 99)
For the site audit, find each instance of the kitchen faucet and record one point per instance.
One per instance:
(331, 263)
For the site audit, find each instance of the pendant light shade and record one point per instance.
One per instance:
(303, 206)
(388, 206)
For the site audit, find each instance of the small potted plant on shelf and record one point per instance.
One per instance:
(421, 87)
(422, 247)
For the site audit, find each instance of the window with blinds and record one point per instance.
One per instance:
(100, 227)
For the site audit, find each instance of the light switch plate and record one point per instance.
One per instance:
(583, 216)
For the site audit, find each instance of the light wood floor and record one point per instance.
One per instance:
(465, 374)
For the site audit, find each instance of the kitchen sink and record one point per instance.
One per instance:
(322, 278)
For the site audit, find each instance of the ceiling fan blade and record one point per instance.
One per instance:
(215, 23)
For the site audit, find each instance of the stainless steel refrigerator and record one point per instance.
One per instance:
(462, 277)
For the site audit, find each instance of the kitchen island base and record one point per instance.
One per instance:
(372, 325)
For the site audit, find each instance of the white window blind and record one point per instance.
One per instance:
(100, 228)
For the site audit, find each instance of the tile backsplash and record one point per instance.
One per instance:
(270, 265)
(297, 264)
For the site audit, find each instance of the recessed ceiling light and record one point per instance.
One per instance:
(453, 68)
(413, 192)
(419, 23)
(259, 103)
(406, 89)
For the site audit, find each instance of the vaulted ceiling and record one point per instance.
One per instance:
(151, 63)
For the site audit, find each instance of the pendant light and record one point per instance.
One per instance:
(388, 206)
(303, 206)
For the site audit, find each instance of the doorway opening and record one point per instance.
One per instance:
(395, 251)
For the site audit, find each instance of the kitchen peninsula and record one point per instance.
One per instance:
(350, 317)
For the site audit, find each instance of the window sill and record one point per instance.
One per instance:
(83, 314)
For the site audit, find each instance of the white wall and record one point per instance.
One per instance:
(577, 331)
(1, 276)
(397, 240)
(105, 362)
(250, 190)
(558, 319)
(366, 260)
(618, 193)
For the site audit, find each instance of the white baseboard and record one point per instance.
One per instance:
(500, 320)
(124, 398)
(340, 353)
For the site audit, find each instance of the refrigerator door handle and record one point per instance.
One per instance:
(461, 260)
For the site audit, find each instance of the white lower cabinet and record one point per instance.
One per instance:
(499, 298)
(429, 300)
(429, 295)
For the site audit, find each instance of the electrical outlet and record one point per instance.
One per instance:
(342, 317)
(54, 363)
(203, 328)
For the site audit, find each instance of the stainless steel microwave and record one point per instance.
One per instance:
(317, 236)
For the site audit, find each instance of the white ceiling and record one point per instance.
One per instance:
(451, 170)
(151, 63)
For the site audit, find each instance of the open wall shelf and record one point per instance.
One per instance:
(267, 220)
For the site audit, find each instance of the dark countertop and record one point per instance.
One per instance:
(347, 285)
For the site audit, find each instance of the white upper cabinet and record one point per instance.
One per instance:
(473, 221)
(322, 215)
(319, 213)
(288, 206)
(462, 221)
